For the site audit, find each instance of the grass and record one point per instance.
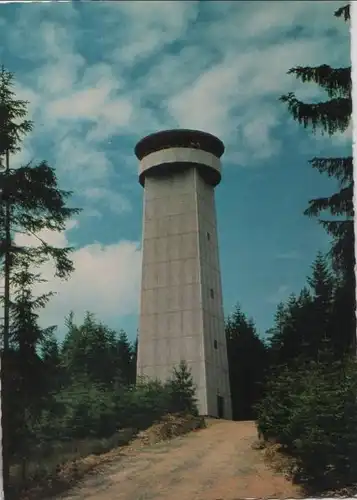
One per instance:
(55, 467)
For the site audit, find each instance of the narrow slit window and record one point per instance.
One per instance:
(208, 236)
(211, 293)
(215, 344)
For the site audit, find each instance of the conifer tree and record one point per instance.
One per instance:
(182, 390)
(97, 353)
(31, 203)
(126, 358)
(304, 326)
(28, 370)
(322, 285)
(247, 360)
(50, 355)
(289, 336)
(331, 116)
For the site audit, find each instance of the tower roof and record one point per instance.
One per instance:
(184, 138)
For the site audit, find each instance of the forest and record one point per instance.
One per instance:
(71, 398)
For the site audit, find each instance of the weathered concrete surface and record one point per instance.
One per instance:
(181, 313)
(180, 155)
(211, 464)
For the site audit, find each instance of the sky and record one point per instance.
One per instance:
(101, 75)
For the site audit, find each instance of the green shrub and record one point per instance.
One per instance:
(311, 409)
(86, 410)
(144, 404)
(182, 391)
(86, 418)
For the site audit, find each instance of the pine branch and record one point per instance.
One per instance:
(332, 116)
(340, 203)
(336, 82)
(344, 12)
(340, 168)
(338, 229)
(37, 204)
(35, 188)
(342, 249)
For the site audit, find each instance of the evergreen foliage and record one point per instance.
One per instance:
(309, 405)
(311, 409)
(13, 123)
(331, 116)
(84, 387)
(301, 386)
(82, 403)
(31, 202)
(305, 323)
(247, 361)
(182, 391)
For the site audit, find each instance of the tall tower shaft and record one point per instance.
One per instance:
(181, 311)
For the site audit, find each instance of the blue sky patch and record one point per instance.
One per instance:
(100, 75)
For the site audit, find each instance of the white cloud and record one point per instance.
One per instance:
(219, 81)
(81, 162)
(150, 26)
(257, 132)
(56, 238)
(263, 23)
(66, 94)
(105, 280)
(232, 95)
(204, 105)
(94, 105)
(169, 74)
(97, 100)
(116, 202)
(338, 139)
(156, 65)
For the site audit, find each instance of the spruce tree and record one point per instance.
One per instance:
(28, 369)
(322, 285)
(96, 353)
(304, 325)
(31, 202)
(50, 355)
(330, 116)
(182, 390)
(285, 336)
(247, 360)
(125, 358)
(13, 126)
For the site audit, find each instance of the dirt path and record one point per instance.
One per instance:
(216, 463)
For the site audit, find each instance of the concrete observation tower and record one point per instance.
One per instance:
(181, 313)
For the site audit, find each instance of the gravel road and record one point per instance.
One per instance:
(216, 463)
